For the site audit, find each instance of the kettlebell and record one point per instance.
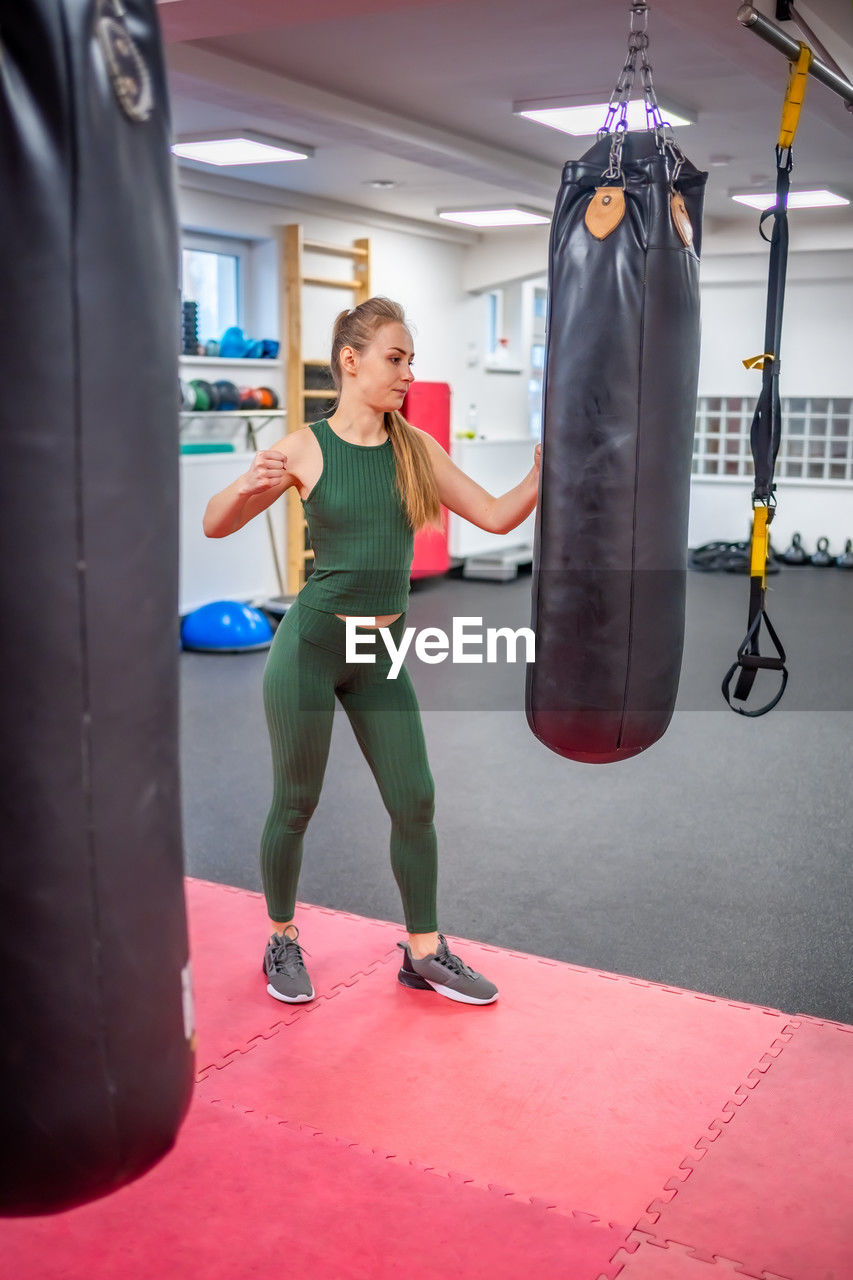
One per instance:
(796, 553)
(845, 560)
(821, 558)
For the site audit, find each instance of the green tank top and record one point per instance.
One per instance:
(362, 539)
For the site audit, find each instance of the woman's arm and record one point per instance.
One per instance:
(459, 493)
(250, 494)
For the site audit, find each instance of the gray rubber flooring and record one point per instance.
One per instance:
(719, 860)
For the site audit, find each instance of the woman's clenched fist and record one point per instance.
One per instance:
(267, 470)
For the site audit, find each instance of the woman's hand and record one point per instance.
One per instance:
(267, 470)
(537, 457)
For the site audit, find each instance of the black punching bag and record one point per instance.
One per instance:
(621, 371)
(96, 1036)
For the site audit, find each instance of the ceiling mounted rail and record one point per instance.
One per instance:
(748, 16)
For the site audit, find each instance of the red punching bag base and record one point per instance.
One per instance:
(585, 1126)
(591, 736)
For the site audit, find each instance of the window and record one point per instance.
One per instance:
(538, 324)
(534, 389)
(817, 438)
(534, 407)
(212, 279)
(495, 320)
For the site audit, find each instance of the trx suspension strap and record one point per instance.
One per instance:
(766, 429)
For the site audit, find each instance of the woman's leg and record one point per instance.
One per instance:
(299, 701)
(386, 719)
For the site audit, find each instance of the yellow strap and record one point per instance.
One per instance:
(757, 362)
(798, 74)
(760, 543)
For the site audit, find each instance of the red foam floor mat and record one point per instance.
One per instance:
(788, 1143)
(241, 1196)
(585, 1126)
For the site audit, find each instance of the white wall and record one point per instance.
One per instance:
(817, 329)
(721, 511)
(817, 360)
(443, 287)
(425, 274)
(422, 273)
(501, 398)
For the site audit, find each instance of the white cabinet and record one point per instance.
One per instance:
(497, 465)
(239, 567)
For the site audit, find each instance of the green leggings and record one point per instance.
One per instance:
(306, 670)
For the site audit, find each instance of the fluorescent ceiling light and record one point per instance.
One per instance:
(582, 118)
(238, 146)
(500, 216)
(796, 200)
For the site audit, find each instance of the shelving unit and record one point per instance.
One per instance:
(304, 385)
(242, 564)
(214, 414)
(235, 362)
(310, 388)
(208, 366)
(254, 419)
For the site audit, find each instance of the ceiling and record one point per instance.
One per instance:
(421, 91)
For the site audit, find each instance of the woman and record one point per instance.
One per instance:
(368, 480)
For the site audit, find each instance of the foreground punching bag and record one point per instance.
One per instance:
(621, 371)
(96, 1034)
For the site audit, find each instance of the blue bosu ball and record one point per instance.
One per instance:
(226, 626)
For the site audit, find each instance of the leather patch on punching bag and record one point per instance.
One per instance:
(130, 78)
(681, 218)
(605, 211)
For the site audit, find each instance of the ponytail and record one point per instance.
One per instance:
(357, 328)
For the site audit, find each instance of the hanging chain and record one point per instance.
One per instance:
(638, 43)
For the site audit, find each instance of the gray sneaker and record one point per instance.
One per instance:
(285, 969)
(444, 972)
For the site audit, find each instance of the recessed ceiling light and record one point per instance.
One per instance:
(238, 146)
(796, 200)
(381, 184)
(496, 216)
(582, 118)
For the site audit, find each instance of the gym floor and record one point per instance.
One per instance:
(585, 1124)
(717, 861)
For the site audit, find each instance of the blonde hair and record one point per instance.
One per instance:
(415, 479)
